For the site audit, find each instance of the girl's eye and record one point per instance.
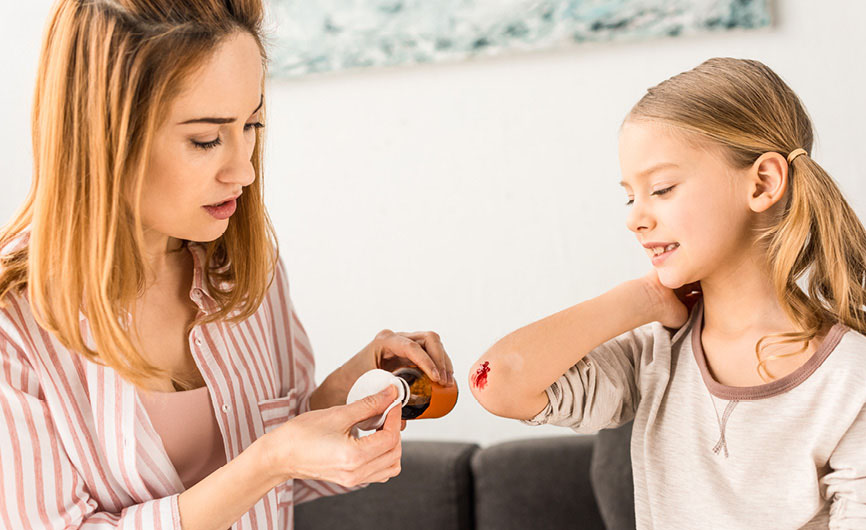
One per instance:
(657, 192)
(256, 125)
(662, 192)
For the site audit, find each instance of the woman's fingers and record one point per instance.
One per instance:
(368, 407)
(402, 346)
(382, 467)
(386, 474)
(432, 344)
(381, 450)
(384, 439)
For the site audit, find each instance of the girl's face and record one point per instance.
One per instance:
(685, 199)
(201, 154)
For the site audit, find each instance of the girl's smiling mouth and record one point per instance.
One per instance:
(659, 252)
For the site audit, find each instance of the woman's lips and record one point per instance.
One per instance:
(223, 210)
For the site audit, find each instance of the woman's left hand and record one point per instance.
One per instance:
(388, 350)
(424, 349)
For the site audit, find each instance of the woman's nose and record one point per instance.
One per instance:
(239, 167)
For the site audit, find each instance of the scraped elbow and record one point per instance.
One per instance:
(496, 387)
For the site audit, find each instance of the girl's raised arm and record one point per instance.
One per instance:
(510, 379)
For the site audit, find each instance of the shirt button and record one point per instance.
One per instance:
(198, 342)
(226, 408)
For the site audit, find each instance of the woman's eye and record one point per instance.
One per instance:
(217, 141)
(662, 192)
(629, 202)
(207, 145)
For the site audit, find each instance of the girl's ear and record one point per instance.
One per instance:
(768, 181)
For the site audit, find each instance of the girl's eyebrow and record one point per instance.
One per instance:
(647, 172)
(221, 121)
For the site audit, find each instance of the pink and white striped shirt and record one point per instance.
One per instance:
(77, 449)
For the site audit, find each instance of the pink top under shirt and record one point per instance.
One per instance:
(189, 430)
(78, 447)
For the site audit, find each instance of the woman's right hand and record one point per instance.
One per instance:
(320, 444)
(668, 306)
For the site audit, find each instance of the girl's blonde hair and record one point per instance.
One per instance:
(108, 71)
(817, 238)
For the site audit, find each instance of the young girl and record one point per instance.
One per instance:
(153, 371)
(747, 389)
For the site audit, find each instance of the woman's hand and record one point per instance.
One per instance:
(424, 349)
(669, 306)
(388, 350)
(320, 444)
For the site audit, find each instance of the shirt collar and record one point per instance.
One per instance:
(198, 291)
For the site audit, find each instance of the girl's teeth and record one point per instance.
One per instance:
(661, 250)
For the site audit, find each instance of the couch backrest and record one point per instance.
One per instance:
(528, 484)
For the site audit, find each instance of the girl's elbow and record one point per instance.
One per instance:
(492, 387)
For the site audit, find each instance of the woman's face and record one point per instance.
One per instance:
(684, 196)
(201, 154)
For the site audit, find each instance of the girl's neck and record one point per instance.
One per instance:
(740, 300)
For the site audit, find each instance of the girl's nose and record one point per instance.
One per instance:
(639, 218)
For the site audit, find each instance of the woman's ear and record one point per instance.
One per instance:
(768, 181)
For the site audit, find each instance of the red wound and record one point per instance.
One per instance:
(479, 378)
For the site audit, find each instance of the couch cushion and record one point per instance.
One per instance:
(612, 478)
(538, 483)
(433, 491)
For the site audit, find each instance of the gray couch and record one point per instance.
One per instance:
(581, 482)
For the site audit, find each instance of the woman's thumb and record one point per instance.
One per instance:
(370, 406)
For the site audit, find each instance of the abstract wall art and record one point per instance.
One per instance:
(313, 36)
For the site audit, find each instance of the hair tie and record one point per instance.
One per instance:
(795, 153)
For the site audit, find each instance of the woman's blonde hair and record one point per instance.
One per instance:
(108, 71)
(817, 238)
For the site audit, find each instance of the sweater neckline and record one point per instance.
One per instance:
(767, 390)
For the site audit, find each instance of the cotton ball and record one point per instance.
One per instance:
(373, 382)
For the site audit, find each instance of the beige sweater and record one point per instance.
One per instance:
(784, 455)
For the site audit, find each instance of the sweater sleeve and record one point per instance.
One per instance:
(40, 488)
(601, 391)
(846, 482)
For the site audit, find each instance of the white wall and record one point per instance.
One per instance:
(472, 198)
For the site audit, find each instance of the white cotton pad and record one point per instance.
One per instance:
(373, 382)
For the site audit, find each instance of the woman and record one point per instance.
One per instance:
(153, 372)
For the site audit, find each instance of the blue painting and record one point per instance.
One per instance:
(312, 36)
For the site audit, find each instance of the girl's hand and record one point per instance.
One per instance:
(671, 307)
(320, 444)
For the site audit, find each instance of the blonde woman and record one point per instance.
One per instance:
(153, 372)
(748, 388)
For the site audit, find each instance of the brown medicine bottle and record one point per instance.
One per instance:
(425, 398)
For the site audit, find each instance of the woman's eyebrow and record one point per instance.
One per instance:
(221, 121)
